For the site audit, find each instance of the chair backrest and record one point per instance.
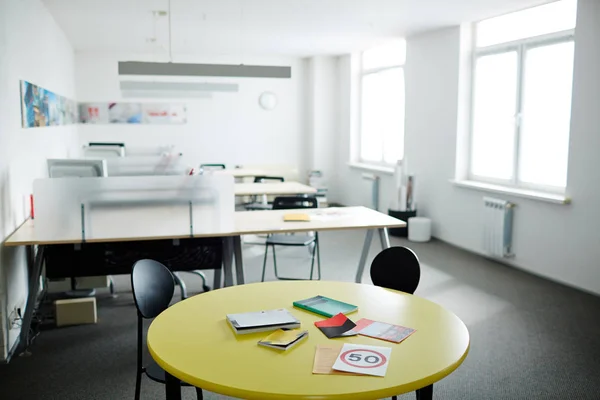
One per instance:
(291, 202)
(153, 286)
(262, 179)
(212, 166)
(396, 268)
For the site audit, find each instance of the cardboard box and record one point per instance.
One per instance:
(76, 311)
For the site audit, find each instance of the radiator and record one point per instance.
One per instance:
(497, 227)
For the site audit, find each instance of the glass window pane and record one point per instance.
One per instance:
(553, 17)
(388, 55)
(382, 117)
(494, 107)
(546, 119)
(393, 136)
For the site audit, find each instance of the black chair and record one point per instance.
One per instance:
(263, 204)
(212, 166)
(153, 286)
(289, 203)
(398, 268)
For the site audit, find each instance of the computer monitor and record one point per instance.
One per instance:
(83, 168)
(104, 150)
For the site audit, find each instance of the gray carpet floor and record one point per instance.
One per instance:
(530, 338)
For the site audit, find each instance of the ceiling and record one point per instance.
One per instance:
(260, 27)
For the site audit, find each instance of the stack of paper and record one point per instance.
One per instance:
(382, 330)
(357, 359)
(325, 306)
(284, 340)
(337, 326)
(262, 321)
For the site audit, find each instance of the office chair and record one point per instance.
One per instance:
(288, 203)
(397, 268)
(153, 286)
(263, 204)
(212, 166)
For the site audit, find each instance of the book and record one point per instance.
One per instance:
(325, 356)
(363, 359)
(262, 321)
(337, 326)
(296, 218)
(382, 330)
(325, 306)
(284, 340)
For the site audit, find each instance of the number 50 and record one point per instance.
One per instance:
(368, 359)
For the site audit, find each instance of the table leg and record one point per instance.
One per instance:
(227, 261)
(384, 238)
(172, 387)
(239, 261)
(363, 255)
(425, 393)
(34, 267)
(217, 278)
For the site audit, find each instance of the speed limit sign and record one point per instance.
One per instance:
(367, 360)
(363, 358)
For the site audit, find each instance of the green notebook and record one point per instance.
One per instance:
(325, 306)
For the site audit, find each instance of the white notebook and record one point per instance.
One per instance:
(262, 321)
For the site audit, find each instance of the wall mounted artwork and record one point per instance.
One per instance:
(41, 107)
(132, 113)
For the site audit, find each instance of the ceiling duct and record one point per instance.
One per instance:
(218, 70)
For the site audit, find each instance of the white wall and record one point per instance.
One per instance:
(556, 241)
(228, 128)
(32, 48)
(321, 145)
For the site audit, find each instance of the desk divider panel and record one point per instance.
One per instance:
(129, 208)
(146, 165)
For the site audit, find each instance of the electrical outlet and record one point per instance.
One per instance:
(13, 317)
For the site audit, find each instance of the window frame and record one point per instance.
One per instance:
(521, 47)
(364, 72)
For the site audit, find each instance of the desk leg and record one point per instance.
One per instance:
(172, 387)
(384, 238)
(227, 261)
(239, 261)
(34, 261)
(217, 278)
(363, 255)
(425, 393)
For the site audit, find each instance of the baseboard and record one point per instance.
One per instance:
(12, 351)
(509, 263)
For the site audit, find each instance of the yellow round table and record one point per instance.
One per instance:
(192, 341)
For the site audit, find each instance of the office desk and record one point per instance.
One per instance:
(205, 352)
(151, 220)
(272, 189)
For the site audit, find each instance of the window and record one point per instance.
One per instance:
(382, 104)
(521, 104)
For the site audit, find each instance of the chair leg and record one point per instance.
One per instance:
(199, 394)
(111, 286)
(140, 368)
(138, 385)
(312, 261)
(203, 277)
(318, 247)
(275, 264)
(265, 263)
(181, 284)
